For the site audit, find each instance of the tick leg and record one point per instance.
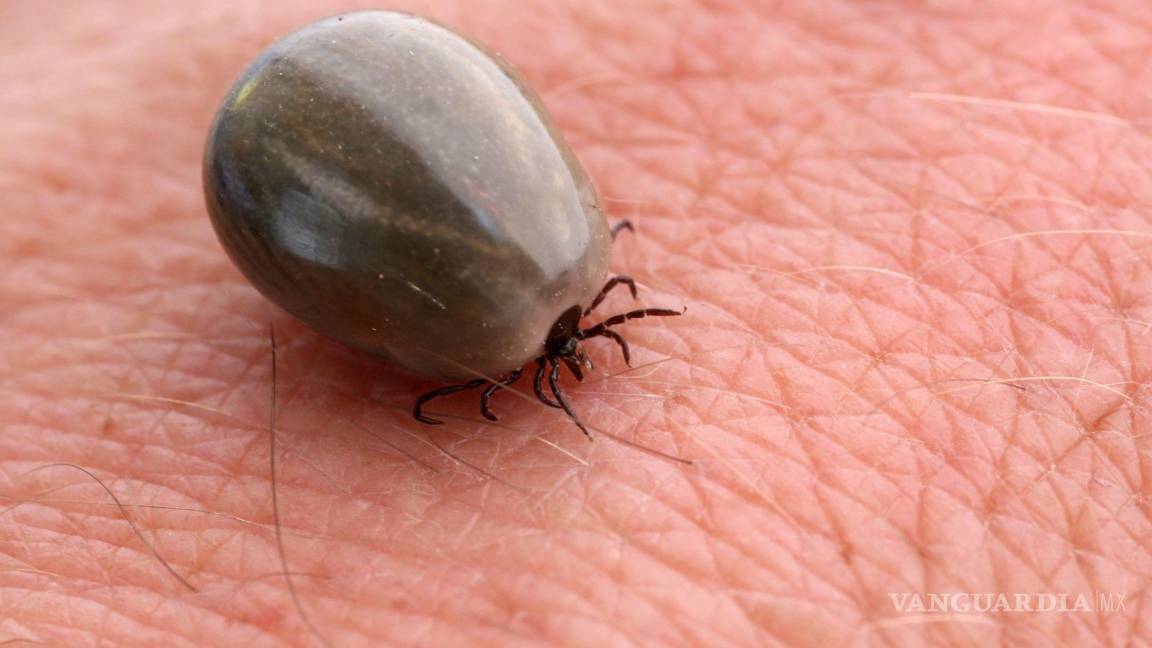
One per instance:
(612, 283)
(630, 315)
(492, 389)
(608, 333)
(621, 225)
(554, 383)
(538, 384)
(443, 391)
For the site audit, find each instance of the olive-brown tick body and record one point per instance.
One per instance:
(400, 190)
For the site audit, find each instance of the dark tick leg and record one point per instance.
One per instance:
(630, 315)
(608, 333)
(554, 383)
(538, 384)
(443, 391)
(612, 283)
(492, 389)
(622, 225)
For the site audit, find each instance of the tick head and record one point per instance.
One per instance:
(563, 342)
(564, 337)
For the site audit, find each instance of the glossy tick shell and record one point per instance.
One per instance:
(399, 189)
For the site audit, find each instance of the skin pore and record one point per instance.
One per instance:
(914, 243)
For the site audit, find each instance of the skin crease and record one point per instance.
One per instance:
(881, 392)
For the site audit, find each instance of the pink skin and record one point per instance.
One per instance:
(881, 392)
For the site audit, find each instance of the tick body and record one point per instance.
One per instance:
(396, 187)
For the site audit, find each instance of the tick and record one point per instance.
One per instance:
(401, 190)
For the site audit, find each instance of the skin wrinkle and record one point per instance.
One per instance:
(658, 234)
(117, 519)
(810, 528)
(747, 610)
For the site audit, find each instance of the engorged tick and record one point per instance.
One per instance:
(399, 189)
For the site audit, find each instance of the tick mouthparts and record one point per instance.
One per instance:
(584, 359)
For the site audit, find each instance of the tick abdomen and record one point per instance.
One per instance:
(394, 186)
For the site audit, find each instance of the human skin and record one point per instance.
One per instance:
(914, 247)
